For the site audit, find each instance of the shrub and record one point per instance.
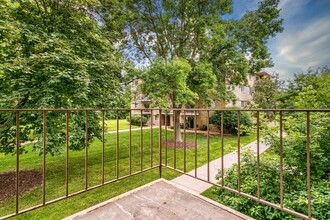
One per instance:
(230, 121)
(136, 120)
(111, 115)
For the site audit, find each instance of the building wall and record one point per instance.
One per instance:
(243, 94)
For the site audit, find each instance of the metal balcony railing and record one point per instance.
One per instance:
(163, 160)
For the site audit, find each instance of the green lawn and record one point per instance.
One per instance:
(111, 125)
(55, 181)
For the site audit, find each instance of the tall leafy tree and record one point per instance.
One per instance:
(194, 44)
(313, 81)
(55, 54)
(265, 92)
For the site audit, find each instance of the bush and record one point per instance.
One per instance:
(111, 115)
(230, 121)
(136, 120)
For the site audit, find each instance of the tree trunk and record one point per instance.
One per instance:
(177, 130)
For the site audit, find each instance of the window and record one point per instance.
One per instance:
(242, 104)
(213, 104)
(242, 88)
(156, 117)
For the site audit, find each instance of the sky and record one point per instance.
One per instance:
(305, 41)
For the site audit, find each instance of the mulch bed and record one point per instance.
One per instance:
(28, 179)
(170, 144)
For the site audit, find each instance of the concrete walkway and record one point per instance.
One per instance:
(199, 186)
(133, 129)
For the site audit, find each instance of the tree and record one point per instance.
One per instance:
(265, 91)
(317, 80)
(294, 154)
(202, 49)
(55, 54)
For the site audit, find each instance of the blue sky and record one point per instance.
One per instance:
(305, 41)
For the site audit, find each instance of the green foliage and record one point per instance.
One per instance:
(54, 54)
(193, 51)
(295, 144)
(295, 190)
(230, 121)
(136, 120)
(264, 92)
(315, 82)
(302, 93)
(217, 49)
(165, 81)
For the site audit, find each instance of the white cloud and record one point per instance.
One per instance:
(307, 46)
(301, 47)
(291, 7)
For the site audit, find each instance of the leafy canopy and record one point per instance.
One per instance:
(219, 51)
(54, 54)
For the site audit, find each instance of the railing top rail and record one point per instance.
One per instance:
(164, 109)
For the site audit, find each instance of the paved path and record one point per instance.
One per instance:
(133, 129)
(199, 186)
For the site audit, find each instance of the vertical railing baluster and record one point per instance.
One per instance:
(208, 145)
(160, 143)
(86, 150)
(166, 144)
(281, 159)
(117, 145)
(17, 159)
(184, 143)
(258, 155)
(44, 157)
(308, 165)
(222, 150)
(141, 142)
(103, 133)
(151, 137)
(175, 127)
(67, 153)
(195, 127)
(130, 142)
(238, 152)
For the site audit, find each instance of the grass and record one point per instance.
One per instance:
(55, 172)
(111, 125)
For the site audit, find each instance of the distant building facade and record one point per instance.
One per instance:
(140, 105)
(244, 93)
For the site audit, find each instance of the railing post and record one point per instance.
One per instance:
(17, 159)
(160, 143)
(258, 154)
(67, 153)
(103, 133)
(86, 150)
(44, 157)
(308, 142)
(238, 151)
(222, 150)
(281, 159)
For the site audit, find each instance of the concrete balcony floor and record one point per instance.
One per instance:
(159, 200)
